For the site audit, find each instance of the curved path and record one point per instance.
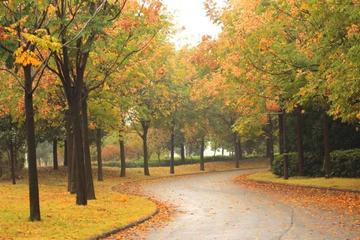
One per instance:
(211, 206)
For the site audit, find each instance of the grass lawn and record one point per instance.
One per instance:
(337, 183)
(62, 219)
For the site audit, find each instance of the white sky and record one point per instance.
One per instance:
(191, 15)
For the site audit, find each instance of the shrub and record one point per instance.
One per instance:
(345, 163)
(312, 164)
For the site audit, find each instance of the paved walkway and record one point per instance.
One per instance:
(211, 206)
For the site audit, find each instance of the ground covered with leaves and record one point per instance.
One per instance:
(344, 203)
(61, 218)
(118, 203)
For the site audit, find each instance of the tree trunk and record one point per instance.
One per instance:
(98, 151)
(281, 133)
(182, 152)
(202, 149)
(271, 140)
(87, 159)
(172, 152)
(159, 159)
(236, 149)
(285, 150)
(215, 148)
(74, 171)
(145, 126)
(79, 166)
(299, 142)
(239, 150)
(326, 145)
(31, 147)
(122, 157)
(55, 155)
(70, 154)
(65, 153)
(12, 161)
(222, 151)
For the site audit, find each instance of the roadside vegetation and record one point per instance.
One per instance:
(352, 184)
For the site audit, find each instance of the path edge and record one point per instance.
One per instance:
(127, 226)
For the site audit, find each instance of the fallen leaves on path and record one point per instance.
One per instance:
(340, 202)
(140, 231)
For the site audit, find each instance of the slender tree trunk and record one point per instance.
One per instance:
(239, 151)
(98, 151)
(31, 147)
(182, 152)
(87, 159)
(172, 152)
(159, 159)
(122, 157)
(55, 155)
(326, 145)
(299, 142)
(271, 140)
(222, 151)
(12, 160)
(79, 166)
(65, 153)
(286, 157)
(215, 148)
(202, 149)
(267, 155)
(145, 126)
(236, 149)
(281, 134)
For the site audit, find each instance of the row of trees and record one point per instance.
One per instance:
(73, 72)
(54, 55)
(285, 58)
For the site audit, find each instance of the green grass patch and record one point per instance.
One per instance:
(336, 183)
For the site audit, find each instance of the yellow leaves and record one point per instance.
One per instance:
(106, 87)
(51, 10)
(264, 44)
(26, 57)
(46, 41)
(10, 30)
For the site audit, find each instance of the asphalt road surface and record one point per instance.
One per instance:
(211, 206)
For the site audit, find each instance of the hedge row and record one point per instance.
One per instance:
(343, 163)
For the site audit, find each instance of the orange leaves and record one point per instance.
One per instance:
(3, 35)
(343, 202)
(352, 30)
(272, 106)
(125, 23)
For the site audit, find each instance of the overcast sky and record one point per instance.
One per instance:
(191, 15)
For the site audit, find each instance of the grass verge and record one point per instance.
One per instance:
(61, 218)
(352, 184)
